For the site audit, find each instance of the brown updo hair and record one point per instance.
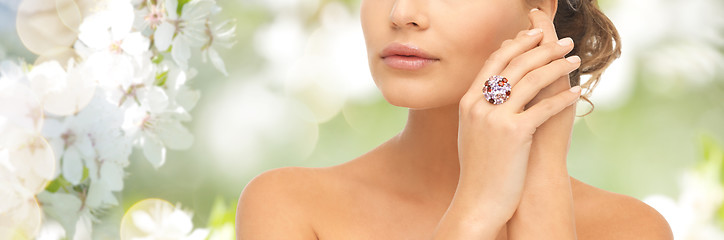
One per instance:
(596, 40)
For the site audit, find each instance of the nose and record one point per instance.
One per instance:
(409, 14)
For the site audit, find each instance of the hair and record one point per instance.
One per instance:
(596, 39)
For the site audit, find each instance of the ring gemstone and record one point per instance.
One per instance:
(497, 89)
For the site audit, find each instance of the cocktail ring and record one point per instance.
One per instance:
(497, 89)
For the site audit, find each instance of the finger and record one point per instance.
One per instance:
(543, 110)
(541, 20)
(497, 60)
(535, 58)
(534, 81)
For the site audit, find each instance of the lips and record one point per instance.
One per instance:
(406, 57)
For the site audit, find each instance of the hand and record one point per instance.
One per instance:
(494, 141)
(546, 209)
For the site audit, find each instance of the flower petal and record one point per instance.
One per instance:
(5, 160)
(163, 35)
(187, 98)
(181, 52)
(154, 98)
(197, 10)
(76, 92)
(122, 16)
(135, 44)
(171, 6)
(198, 234)
(174, 135)
(72, 166)
(178, 222)
(112, 174)
(94, 31)
(216, 60)
(144, 222)
(154, 151)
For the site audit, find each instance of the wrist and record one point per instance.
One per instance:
(476, 203)
(464, 222)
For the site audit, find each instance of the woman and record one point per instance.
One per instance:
(483, 154)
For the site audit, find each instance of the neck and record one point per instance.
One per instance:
(427, 148)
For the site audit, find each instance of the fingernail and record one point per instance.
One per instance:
(534, 31)
(573, 59)
(534, 9)
(565, 42)
(575, 89)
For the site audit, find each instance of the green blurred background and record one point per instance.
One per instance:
(291, 100)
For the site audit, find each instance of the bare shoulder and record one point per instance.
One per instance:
(602, 214)
(274, 205)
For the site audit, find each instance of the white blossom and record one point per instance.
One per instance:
(117, 57)
(93, 109)
(156, 219)
(26, 159)
(221, 35)
(61, 92)
(183, 31)
(150, 17)
(66, 208)
(71, 142)
(154, 131)
(694, 214)
(691, 216)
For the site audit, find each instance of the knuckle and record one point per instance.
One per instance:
(533, 79)
(506, 43)
(547, 105)
(553, 49)
(495, 57)
(518, 61)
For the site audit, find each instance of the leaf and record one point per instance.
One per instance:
(720, 217)
(158, 58)
(85, 174)
(181, 4)
(713, 156)
(221, 213)
(161, 79)
(56, 184)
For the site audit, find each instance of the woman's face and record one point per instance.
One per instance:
(426, 53)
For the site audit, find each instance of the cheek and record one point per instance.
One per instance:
(374, 17)
(474, 33)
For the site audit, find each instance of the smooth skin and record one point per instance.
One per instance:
(462, 168)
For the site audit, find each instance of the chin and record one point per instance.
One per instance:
(419, 95)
